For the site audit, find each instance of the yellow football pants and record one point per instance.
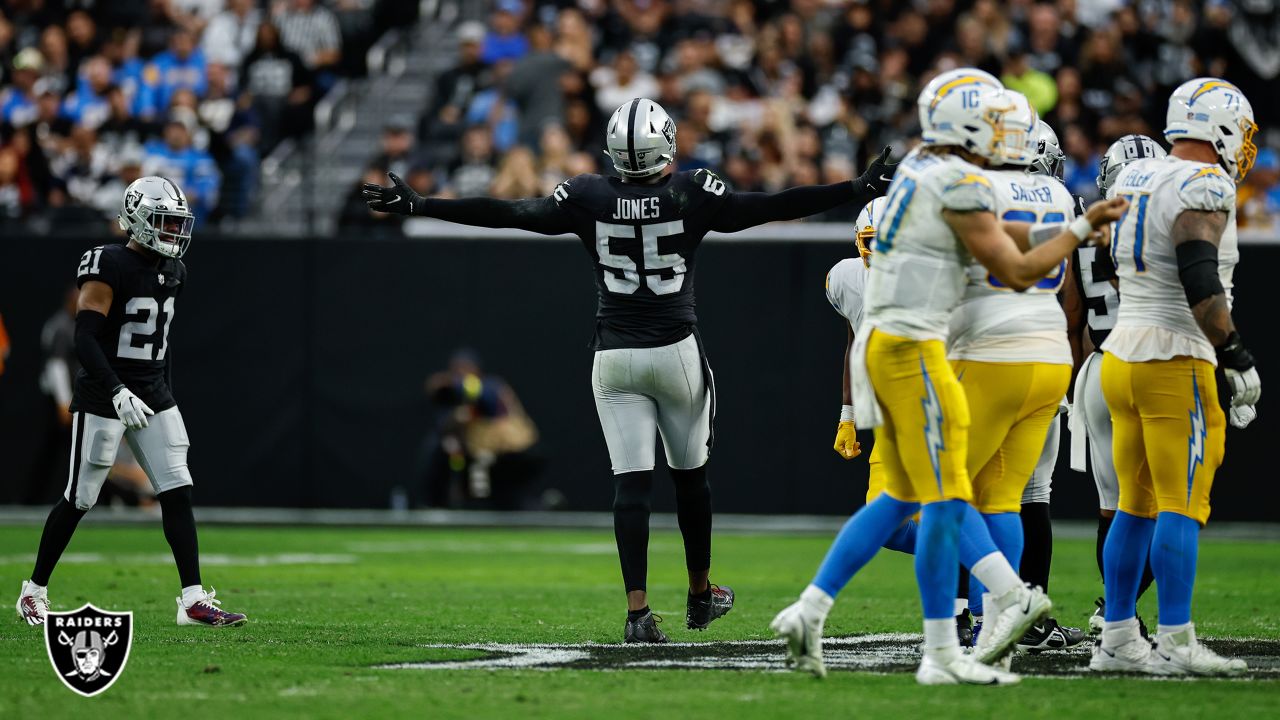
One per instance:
(1011, 406)
(923, 441)
(1168, 434)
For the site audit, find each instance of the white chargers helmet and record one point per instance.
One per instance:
(943, 85)
(641, 138)
(868, 219)
(1020, 143)
(1121, 153)
(1050, 160)
(154, 212)
(971, 117)
(1215, 111)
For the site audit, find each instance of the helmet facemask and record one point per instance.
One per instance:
(866, 236)
(1248, 152)
(170, 232)
(154, 212)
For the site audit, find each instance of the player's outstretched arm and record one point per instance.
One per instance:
(540, 215)
(1196, 235)
(987, 240)
(749, 209)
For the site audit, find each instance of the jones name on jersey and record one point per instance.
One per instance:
(135, 337)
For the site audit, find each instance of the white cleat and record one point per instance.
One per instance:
(33, 605)
(801, 627)
(1131, 656)
(1181, 653)
(961, 669)
(1023, 607)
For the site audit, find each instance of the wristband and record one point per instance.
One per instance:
(1081, 228)
(846, 413)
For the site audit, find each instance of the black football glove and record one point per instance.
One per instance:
(880, 174)
(399, 198)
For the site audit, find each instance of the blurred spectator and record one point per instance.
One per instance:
(236, 132)
(182, 66)
(193, 169)
(18, 101)
(534, 87)
(475, 170)
(517, 176)
(121, 129)
(57, 343)
(88, 105)
(504, 40)
(59, 73)
(311, 31)
(1037, 85)
(15, 199)
(232, 34)
(1259, 196)
(281, 87)
(623, 81)
(442, 124)
(397, 145)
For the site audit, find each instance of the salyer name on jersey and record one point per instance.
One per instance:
(643, 239)
(135, 337)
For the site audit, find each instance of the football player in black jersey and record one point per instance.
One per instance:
(650, 375)
(124, 390)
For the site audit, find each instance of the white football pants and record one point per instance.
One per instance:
(160, 448)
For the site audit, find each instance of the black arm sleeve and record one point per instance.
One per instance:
(1198, 270)
(89, 352)
(540, 215)
(740, 211)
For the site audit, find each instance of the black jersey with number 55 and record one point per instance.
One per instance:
(135, 337)
(643, 239)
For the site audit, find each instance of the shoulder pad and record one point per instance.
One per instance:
(962, 187)
(574, 187)
(1205, 187)
(707, 180)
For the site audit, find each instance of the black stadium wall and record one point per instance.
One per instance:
(299, 368)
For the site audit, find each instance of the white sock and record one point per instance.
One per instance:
(816, 599)
(962, 604)
(995, 572)
(940, 637)
(1119, 632)
(35, 589)
(1163, 630)
(191, 594)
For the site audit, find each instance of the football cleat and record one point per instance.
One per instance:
(644, 630)
(33, 605)
(961, 669)
(1181, 654)
(1023, 607)
(964, 629)
(700, 613)
(1049, 635)
(801, 627)
(1098, 619)
(1131, 655)
(205, 611)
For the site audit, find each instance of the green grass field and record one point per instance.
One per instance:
(327, 605)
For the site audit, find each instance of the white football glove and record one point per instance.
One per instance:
(1242, 416)
(132, 411)
(1246, 386)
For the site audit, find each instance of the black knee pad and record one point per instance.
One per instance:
(633, 490)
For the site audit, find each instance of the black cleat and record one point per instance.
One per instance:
(1049, 635)
(644, 630)
(700, 613)
(964, 628)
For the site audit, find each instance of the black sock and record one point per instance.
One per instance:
(693, 511)
(634, 615)
(1104, 526)
(962, 587)
(1148, 577)
(180, 530)
(1037, 550)
(631, 525)
(58, 530)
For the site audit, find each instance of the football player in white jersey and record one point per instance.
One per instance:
(1009, 351)
(940, 211)
(1174, 251)
(1091, 280)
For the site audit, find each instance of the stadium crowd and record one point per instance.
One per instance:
(774, 93)
(95, 93)
(769, 93)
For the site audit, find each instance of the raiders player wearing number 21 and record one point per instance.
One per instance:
(642, 231)
(128, 298)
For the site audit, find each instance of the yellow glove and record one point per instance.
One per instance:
(847, 440)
